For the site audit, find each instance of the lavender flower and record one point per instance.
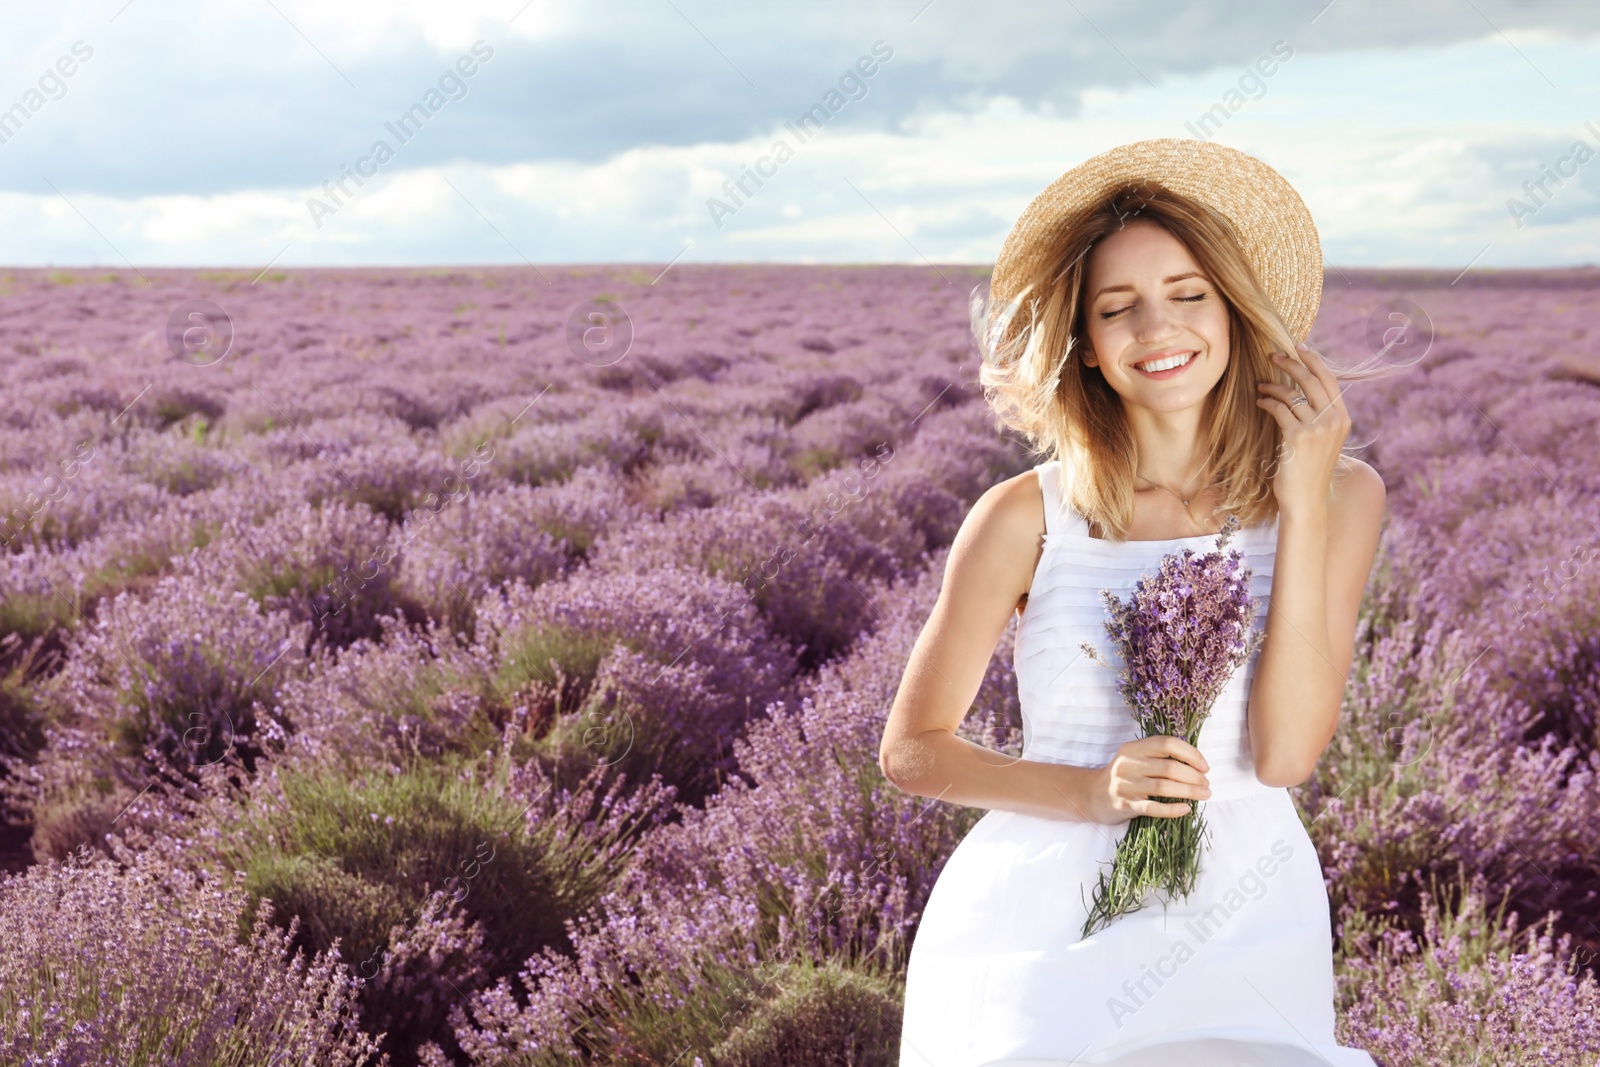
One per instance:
(1181, 636)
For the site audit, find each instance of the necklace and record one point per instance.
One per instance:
(1158, 485)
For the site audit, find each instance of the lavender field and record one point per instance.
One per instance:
(424, 680)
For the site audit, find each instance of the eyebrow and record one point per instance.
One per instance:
(1129, 288)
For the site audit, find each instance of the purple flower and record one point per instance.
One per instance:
(1181, 635)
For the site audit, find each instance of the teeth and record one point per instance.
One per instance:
(1168, 363)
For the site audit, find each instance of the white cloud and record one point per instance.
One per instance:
(179, 222)
(408, 195)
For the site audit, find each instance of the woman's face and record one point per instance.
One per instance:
(1148, 301)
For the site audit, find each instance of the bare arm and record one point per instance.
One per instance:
(1319, 576)
(989, 569)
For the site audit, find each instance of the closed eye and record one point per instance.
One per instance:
(1185, 299)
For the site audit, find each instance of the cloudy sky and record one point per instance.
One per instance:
(169, 132)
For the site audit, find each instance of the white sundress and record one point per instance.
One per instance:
(1238, 975)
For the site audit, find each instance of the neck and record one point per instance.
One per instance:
(1169, 451)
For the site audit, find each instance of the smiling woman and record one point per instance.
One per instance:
(1165, 283)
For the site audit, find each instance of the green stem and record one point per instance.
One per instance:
(1155, 853)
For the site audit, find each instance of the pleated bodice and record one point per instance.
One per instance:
(1071, 709)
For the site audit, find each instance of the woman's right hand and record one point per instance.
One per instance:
(1147, 767)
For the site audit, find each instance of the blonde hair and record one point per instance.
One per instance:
(1067, 410)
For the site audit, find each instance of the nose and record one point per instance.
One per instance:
(1153, 322)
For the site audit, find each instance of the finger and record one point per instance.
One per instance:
(1284, 393)
(1178, 773)
(1320, 368)
(1325, 374)
(1306, 376)
(1177, 746)
(1158, 786)
(1290, 401)
(1280, 411)
(1159, 810)
(1309, 383)
(1172, 770)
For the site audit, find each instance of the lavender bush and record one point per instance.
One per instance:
(1464, 987)
(142, 965)
(176, 680)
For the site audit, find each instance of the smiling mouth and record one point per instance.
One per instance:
(1165, 363)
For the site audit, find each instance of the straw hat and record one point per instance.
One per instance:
(1270, 220)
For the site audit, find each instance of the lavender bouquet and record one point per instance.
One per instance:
(1181, 635)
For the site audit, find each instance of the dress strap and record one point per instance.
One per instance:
(1049, 475)
(1059, 514)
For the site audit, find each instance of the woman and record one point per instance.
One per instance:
(1166, 285)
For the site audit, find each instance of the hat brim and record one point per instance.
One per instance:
(1274, 228)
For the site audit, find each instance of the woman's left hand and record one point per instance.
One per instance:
(1313, 431)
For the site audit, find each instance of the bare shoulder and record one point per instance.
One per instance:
(1000, 540)
(1359, 496)
(1355, 525)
